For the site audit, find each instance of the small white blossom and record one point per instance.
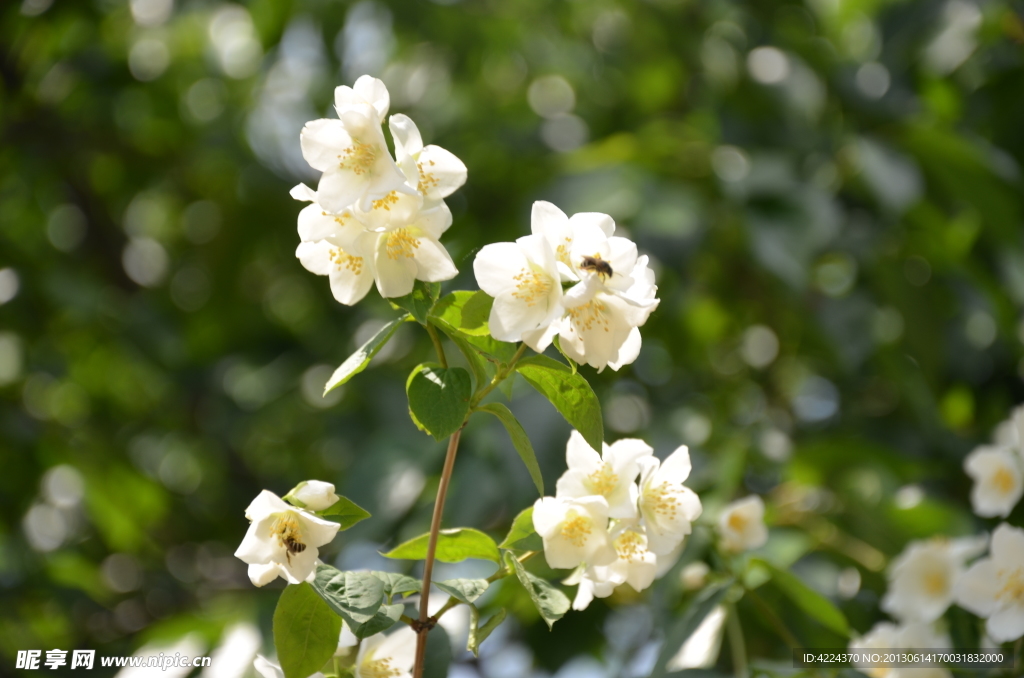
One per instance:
(282, 540)
(431, 170)
(998, 480)
(523, 278)
(634, 565)
(315, 495)
(741, 525)
(387, 656)
(351, 151)
(667, 507)
(269, 669)
(611, 475)
(574, 531)
(913, 636)
(922, 578)
(993, 587)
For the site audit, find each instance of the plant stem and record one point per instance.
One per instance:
(437, 345)
(737, 645)
(428, 566)
(499, 377)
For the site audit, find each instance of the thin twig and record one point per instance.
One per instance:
(428, 566)
(437, 345)
(499, 377)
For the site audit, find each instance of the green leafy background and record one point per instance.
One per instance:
(853, 198)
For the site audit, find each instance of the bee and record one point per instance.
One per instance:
(292, 546)
(597, 265)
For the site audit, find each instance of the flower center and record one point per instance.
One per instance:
(380, 668)
(343, 259)
(630, 546)
(531, 285)
(603, 480)
(401, 244)
(935, 583)
(288, 534)
(386, 202)
(427, 180)
(576, 529)
(358, 158)
(662, 500)
(586, 316)
(562, 252)
(1002, 480)
(1013, 588)
(737, 521)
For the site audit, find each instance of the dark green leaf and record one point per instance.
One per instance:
(550, 601)
(807, 599)
(481, 368)
(397, 584)
(463, 311)
(356, 596)
(438, 398)
(385, 618)
(419, 301)
(453, 546)
(700, 608)
(478, 633)
(466, 590)
(305, 631)
(519, 439)
(358, 361)
(346, 512)
(522, 536)
(569, 393)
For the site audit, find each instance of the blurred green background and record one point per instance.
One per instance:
(830, 192)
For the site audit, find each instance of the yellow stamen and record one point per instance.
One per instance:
(1013, 588)
(380, 668)
(386, 202)
(737, 521)
(562, 252)
(662, 500)
(630, 546)
(427, 180)
(343, 259)
(1002, 480)
(358, 158)
(586, 316)
(286, 528)
(531, 285)
(603, 481)
(401, 244)
(576, 529)
(935, 583)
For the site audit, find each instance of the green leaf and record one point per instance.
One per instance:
(519, 439)
(557, 341)
(807, 599)
(569, 393)
(345, 511)
(305, 631)
(438, 655)
(356, 596)
(358, 361)
(385, 618)
(522, 536)
(700, 608)
(438, 398)
(477, 633)
(465, 590)
(550, 601)
(482, 370)
(397, 584)
(419, 301)
(453, 546)
(465, 312)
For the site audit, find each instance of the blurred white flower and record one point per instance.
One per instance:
(282, 540)
(634, 565)
(351, 151)
(315, 495)
(431, 170)
(998, 480)
(611, 475)
(914, 636)
(993, 587)
(574, 531)
(667, 507)
(1010, 433)
(523, 278)
(269, 669)
(741, 525)
(387, 656)
(922, 578)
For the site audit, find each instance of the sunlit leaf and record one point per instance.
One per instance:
(358, 361)
(305, 631)
(453, 546)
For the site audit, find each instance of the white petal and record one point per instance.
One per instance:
(395, 274)
(257, 545)
(496, 265)
(548, 513)
(350, 285)
(315, 224)
(1006, 624)
(584, 594)
(435, 220)
(322, 142)
(316, 256)
(540, 338)
(511, 317)
(676, 468)
(263, 574)
(441, 173)
(374, 92)
(976, 590)
(340, 189)
(316, 530)
(267, 668)
(1008, 545)
(408, 141)
(549, 221)
(303, 193)
(400, 647)
(433, 263)
(593, 219)
(579, 455)
(628, 352)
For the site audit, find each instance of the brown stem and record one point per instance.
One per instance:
(428, 566)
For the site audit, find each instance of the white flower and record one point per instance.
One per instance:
(351, 151)
(998, 480)
(993, 587)
(667, 508)
(431, 170)
(524, 280)
(634, 565)
(387, 656)
(315, 495)
(574, 531)
(922, 578)
(741, 525)
(282, 540)
(269, 669)
(889, 636)
(611, 475)
(1010, 433)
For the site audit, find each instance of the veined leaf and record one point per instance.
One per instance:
(345, 511)
(305, 631)
(466, 590)
(519, 439)
(398, 584)
(550, 601)
(438, 398)
(419, 301)
(356, 596)
(478, 633)
(522, 536)
(464, 312)
(453, 546)
(358, 361)
(569, 393)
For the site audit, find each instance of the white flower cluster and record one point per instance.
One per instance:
(610, 289)
(615, 514)
(998, 469)
(284, 540)
(372, 218)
